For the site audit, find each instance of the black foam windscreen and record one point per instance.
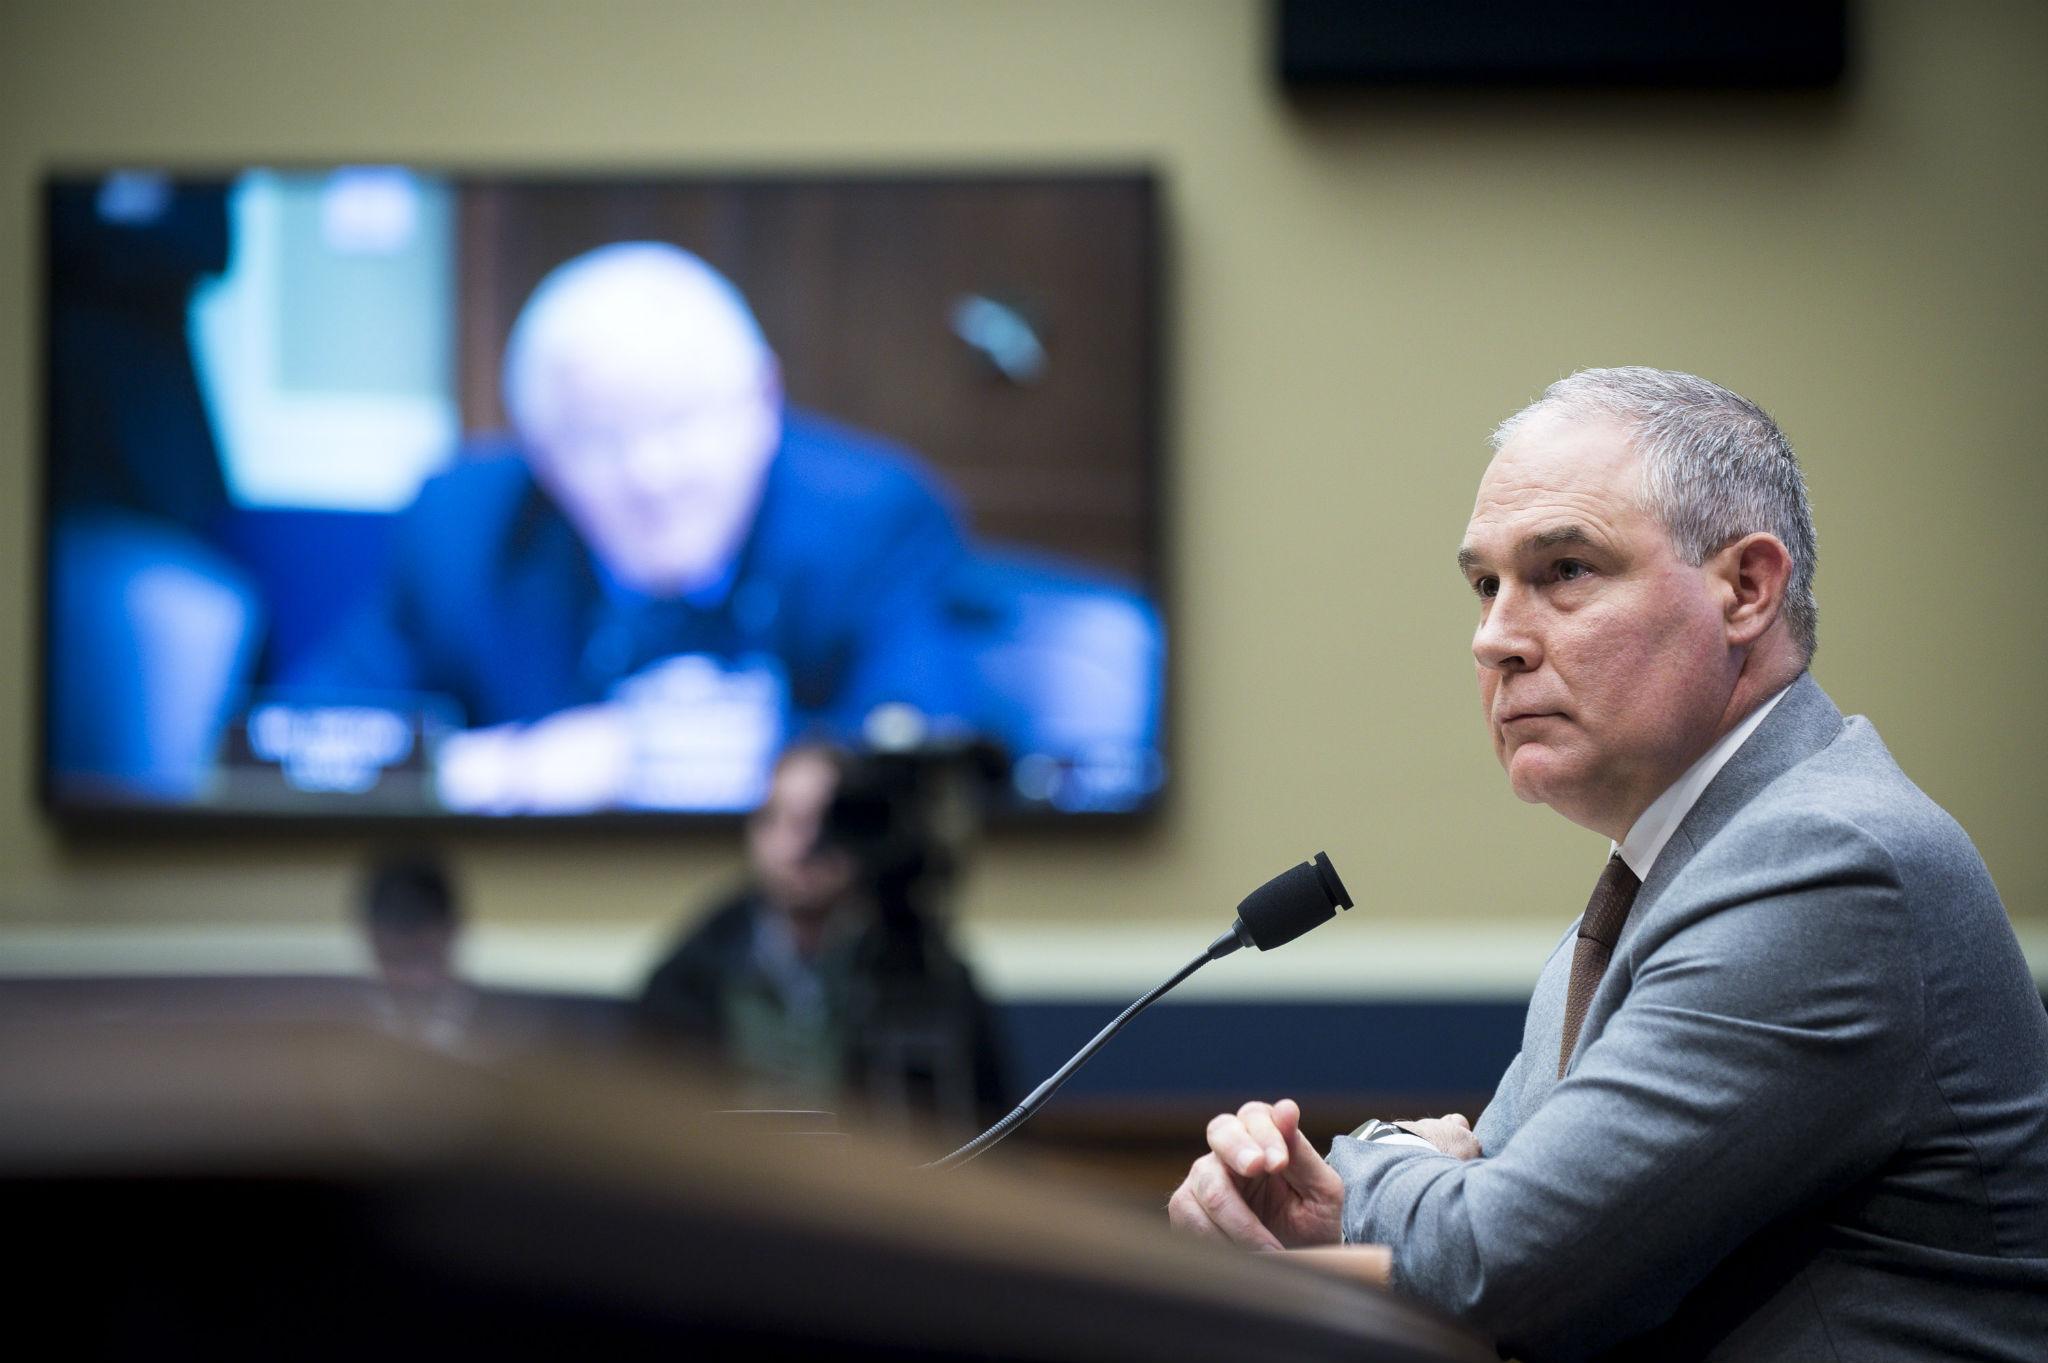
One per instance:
(1299, 898)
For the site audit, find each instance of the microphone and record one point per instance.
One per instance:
(1299, 898)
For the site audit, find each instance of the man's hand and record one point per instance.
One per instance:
(1261, 1184)
(1451, 1134)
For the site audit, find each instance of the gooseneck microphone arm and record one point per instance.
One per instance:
(1024, 1110)
(1274, 914)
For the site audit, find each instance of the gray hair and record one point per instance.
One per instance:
(628, 295)
(1715, 467)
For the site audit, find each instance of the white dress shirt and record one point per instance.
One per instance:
(1655, 825)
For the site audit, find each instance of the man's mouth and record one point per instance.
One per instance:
(1520, 715)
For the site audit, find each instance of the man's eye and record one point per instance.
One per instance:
(1486, 587)
(1570, 570)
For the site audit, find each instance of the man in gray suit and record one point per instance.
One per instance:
(1783, 1090)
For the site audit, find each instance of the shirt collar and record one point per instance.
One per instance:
(1655, 825)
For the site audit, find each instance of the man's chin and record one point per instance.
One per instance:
(1535, 775)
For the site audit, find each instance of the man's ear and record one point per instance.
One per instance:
(1755, 572)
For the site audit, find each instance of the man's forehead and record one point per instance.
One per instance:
(1564, 457)
(1563, 449)
(1558, 480)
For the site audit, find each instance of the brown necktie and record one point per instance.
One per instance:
(1606, 911)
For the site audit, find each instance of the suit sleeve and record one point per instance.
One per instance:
(373, 645)
(894, 592)
(1741, 1079)
(426, 621)
(1499, 1117)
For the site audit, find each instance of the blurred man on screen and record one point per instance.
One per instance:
(1783, 1090)
(637, 599)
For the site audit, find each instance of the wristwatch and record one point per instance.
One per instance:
(1389, 1132)
(1376, 1129)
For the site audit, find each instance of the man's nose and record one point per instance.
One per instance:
(656, 462)
(1506, 639)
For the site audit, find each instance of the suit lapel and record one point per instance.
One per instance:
(1803, 723)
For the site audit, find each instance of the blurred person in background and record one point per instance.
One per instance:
(828, 977)
(664, 572)
(411, 923)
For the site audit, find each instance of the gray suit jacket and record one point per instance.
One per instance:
(1807, 1115)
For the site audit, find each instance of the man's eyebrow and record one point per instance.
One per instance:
(1470, 558)
(1561, 534)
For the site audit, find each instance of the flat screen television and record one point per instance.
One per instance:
(385, 492)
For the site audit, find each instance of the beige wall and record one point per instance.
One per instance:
(1358, 293)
